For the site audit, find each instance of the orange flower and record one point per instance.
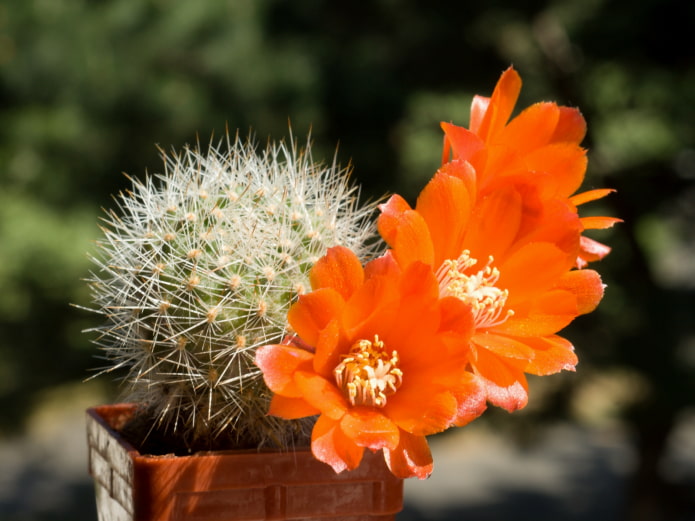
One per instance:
(540, 145)
(379, 357)
(517, 281)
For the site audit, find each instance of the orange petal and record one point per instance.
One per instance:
(501, 105)
(456, 316)
(586, 286)
(470, 396)
(327, 354)
(339, 269)
(533, 128)
(412, 458)
(494, 224)
(405, 231)
(544, 315)
(504, 380)
(290, 408)
(479, 107)
(599, 223)
(278, 363)
(321, 394)
(445, 205)
(418, 411)
(564, 162)
(504, 346)
(532, 269)
(571, 127)
(371, 309)
(464, 143)
(384, 266)
(591, 250)
(313, 311)
(330, 445)
(370, 429)
(552, 355)
(591, 195)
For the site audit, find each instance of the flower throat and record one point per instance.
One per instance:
(368, 374)
(478, 289)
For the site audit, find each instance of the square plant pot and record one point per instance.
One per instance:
(230, 485)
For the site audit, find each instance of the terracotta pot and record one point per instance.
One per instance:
(229, 485)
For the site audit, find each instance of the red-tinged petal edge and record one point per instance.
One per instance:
(330, 445)
(504, 380)
(471, 399)
(411, 458)
(590, 251)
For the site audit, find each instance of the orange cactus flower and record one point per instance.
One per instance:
(512, 266)
(540, 144)
(380, 357)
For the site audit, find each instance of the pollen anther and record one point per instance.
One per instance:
(368, 374)
(478, 289)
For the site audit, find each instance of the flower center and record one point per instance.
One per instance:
(476, 289)
(368, 374)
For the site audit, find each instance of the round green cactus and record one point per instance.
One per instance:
(198, 267)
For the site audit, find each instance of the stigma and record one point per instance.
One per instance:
(478, 289)
(368, 374)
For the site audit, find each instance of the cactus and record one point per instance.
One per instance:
(198, 267)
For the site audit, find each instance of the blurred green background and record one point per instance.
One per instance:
(88, 88)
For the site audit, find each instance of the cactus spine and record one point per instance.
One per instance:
(197, 268)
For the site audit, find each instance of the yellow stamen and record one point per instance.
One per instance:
(368, 374)
(478, 289)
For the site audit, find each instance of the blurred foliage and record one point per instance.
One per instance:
(87, 88)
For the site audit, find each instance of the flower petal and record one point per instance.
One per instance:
(464, 143)
(552, 355)
(471, 398)
(504, 346)
(544, 315)
(369, 428)
(290, 408)
(405, 231)
(494, 224)
(591, 195)
(339, 269)
(571, 126)
(533, 128)
(445, 205)
(416, 409)
(321, 394)
(327, 354)
(564, 162)
(504, 380)
(531, 270)
(586, 286)
(312, 313)
(590, 251)
(279, 363)
(412, 458)
(330, 445)
(599, 223)
(501, 105)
